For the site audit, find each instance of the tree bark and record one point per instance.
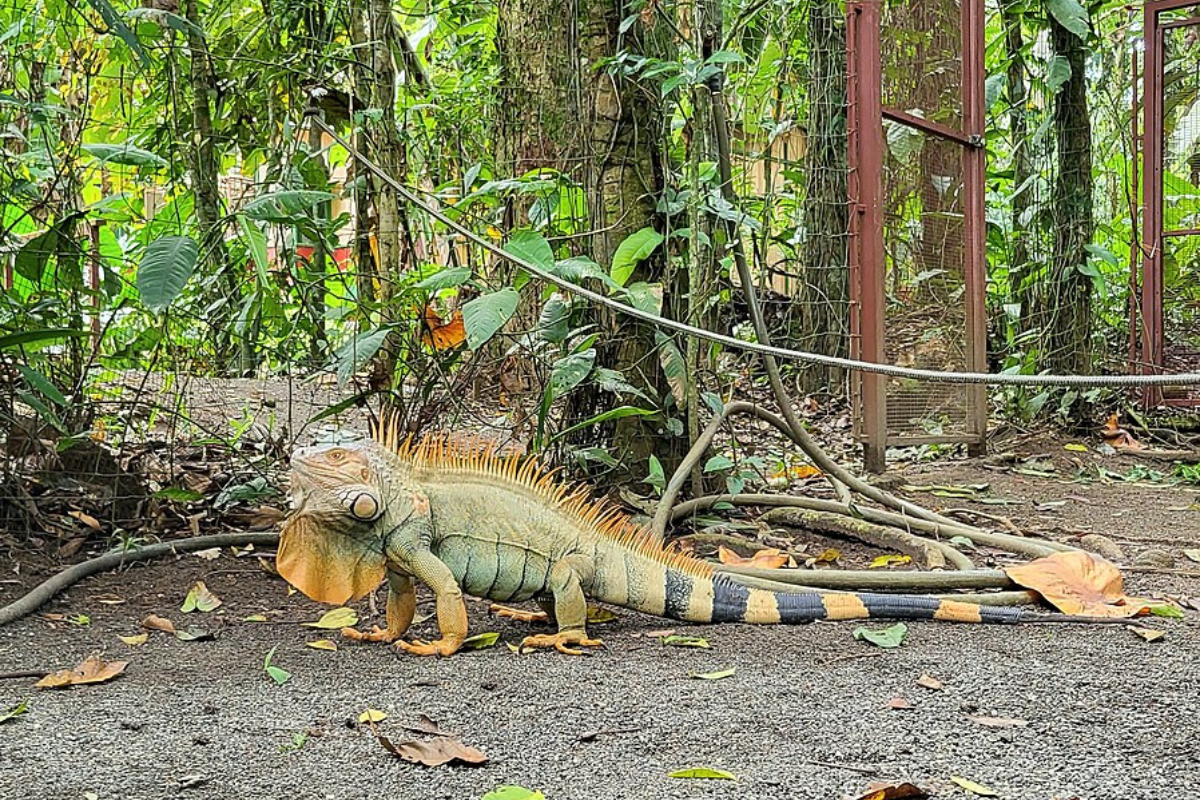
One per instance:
(1018, 130)
(1068, 291)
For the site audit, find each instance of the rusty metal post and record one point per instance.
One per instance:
(974, 220)
(869, 268)
(1152, 221)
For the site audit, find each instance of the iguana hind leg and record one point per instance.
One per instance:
(401, 607)
(570, 609)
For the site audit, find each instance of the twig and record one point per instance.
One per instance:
(1005, 521)
(29, 673)
(847, 767)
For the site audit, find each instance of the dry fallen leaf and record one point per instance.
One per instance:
(425, 725)
(929, 682)
(92, 670)
(135, 640)
(157, 623)
(1148, 634)
(1115, 436)
(208, 555)
(767, 558)
(86, 519)
(1081, 584)
(827, 556)
(899, 704)
(901, 791)
(322, 644)
(372, 715)
(975, 788)
(997, 722)
(434, 752)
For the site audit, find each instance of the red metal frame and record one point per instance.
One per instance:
(867, 257)
(1152, 344)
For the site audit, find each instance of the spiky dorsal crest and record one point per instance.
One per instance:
(449, 454)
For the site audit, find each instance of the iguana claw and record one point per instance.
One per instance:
(441, 647)
(377, 634)
(518, 614)
(560, 641)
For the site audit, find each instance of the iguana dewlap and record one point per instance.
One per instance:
(463, 518)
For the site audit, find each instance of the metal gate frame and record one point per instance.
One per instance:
(868, 267)
(1152, 361)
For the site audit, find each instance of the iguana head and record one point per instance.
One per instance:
(330, 547)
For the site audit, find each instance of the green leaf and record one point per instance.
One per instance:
(631, 251)
(481, 641)
(485, 315)
(283, 206)
(714, 676)
(644, 296)
(992, 88)
(278, 674)
(256, 243)
(40, 382)
(124, 153)
(164, 270)
(35, 254)
(714, 402)
(1071, 15)
(887, 638)
(703, 773)
(620, 412)
(1166, 610)
(167, 19)
(360, 349)
(553, 322)
(734, 484)
(718, 463)
(680, 640)
(569, 371)
(578, 268)
(117, 25)
(337, 618)
(445, 279)
(513, 793)
(656, 477)
(531, 247)
(14, 711)
(1058, 73)
(674, 367)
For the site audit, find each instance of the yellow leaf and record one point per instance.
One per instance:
(135, 640)
(256, 618)
(337, 618)
(1075, 448)
(372, 715)
(322, 644)
(889, 560)
(703, 773)
(975, 788)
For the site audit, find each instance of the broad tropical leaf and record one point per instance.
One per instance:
(165, 268)
(485, 315)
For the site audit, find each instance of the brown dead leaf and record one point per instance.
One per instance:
(767, 558)
(1147, 634)
(929, 682)
(71, 546)
(425, 725)
(86, 519)
(997, 722)
(895, 791)
(263, 518)
(434, 752)
(900, 704)
(157, 623)
(1115, 436)
(1081, 584)
(92, 670)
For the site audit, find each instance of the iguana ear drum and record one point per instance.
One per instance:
(363, 505)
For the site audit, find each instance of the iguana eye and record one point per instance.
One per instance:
(336, 456)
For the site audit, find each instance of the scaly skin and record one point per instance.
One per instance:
(460, 518)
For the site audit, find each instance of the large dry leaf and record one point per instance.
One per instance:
(901, 791)
(1081, 584)
(156, 623)
(767, 558)
(434, 752)
(1115, 436)
(92, 670)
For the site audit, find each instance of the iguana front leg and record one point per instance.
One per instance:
(570, 609)
(401, 607)
(451, 610)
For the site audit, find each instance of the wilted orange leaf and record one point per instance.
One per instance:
(1081, 584)
(92, 670)
(86, 519)
(767, 558)
(900, 791)
(434, 752)
(157, 623)
(442, 335)
(1116, 436)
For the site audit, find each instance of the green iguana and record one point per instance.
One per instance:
(461, 517)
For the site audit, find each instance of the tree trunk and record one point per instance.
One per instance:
(1019, 290)
(205, 173)
(1066, 345)
(825, 292)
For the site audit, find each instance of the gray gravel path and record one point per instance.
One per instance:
(1110, 717)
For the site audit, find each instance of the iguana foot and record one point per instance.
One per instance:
(560, 641)
(377, 634)
(518, 614)
(441, 647)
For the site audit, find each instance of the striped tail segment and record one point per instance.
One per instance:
(733, 602)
